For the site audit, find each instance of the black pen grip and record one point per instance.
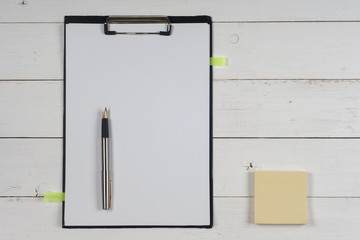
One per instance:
(105, 128)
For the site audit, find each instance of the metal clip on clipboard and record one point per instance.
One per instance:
(137, 20)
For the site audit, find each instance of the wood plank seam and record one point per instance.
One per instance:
(218, 197)
(216, 79)
(280, 21)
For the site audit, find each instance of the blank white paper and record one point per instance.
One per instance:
(157, 91)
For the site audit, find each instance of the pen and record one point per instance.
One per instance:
(106, 181)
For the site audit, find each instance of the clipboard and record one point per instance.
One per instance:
(154, 76)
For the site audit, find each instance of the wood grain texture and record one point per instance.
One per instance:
(302, 108)
(242, 108)
(326, 50)
(31, 51)
(332, 165)
(35, 219)
(37, 165)
(31, 109)
(288, 50)
(30, 167)
(265, 39)
(228, 10)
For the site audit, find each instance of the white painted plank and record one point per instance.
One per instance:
(30, 167)
(31, 109)
(288, 50)
(332, 165)
(327, 219)
(278, 108)
(242, 108)
(254, 51)
(34, 166)
(31, 51)
(228, 10)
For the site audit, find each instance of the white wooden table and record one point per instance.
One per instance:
(289, 99)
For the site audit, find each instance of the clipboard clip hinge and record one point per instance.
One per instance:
(137, 20)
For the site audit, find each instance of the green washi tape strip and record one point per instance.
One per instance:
(54, 196)
(218, 61)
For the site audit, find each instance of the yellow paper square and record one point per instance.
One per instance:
(280, 198)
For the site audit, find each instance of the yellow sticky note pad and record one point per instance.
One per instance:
(280, 198)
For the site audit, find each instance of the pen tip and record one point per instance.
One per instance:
(105, 114)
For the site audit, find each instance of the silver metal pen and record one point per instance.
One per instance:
(106, 181)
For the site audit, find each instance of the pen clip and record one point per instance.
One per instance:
(110, 198)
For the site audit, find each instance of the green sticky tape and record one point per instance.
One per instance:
(218, 61)
(54, 196)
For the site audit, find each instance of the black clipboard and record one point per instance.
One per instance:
(107, 24)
